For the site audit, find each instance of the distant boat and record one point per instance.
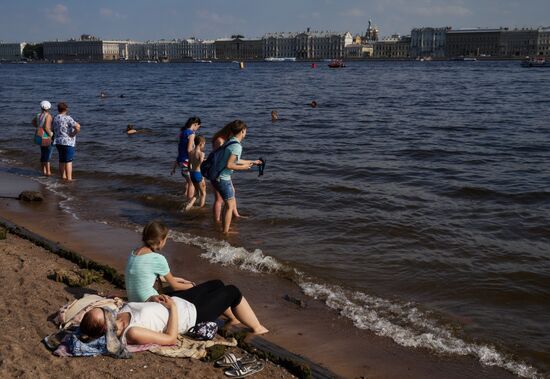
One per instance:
(336, 63)
(202, 61)
(535, 62)
(284, 59)
(464, 59)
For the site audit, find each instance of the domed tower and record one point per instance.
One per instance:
(372, 33)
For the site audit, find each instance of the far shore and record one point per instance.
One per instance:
(314, 331)
(262, 60)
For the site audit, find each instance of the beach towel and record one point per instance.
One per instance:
(71, 313)
(190, 348)
(72, 345)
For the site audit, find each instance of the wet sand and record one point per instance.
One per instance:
(315, 331)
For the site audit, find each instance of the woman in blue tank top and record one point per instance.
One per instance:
(185, 146)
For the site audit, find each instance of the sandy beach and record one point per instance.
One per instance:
(313, 331)
(29, 298)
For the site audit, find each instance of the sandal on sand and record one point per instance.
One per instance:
(229, 359)
(240, 370)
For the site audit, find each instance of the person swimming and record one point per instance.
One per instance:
(131, 129)
(313, 104)
(274, 116)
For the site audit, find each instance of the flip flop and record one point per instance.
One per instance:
(243, 370)
(229, 359)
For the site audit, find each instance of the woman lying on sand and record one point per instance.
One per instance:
(161, 320)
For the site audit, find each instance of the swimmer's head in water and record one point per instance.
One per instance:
(274, 115)
(313, 104)
(130, 127)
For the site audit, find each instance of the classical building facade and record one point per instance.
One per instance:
(428, 42)
(503, 43)
(543, 42)
(11, 51)
(198, 49)
(518, 42)
(394, 47)
(239, 49)
(86, 49)
(279, 45)
(306, 45)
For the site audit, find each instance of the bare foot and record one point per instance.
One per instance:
(230, 233)
(240, 216)
(260, 330)
(190, 203)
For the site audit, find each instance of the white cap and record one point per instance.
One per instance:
(45, 105)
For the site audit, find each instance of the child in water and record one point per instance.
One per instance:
(196, 157)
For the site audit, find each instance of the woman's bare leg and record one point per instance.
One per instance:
(235, 211)
(244, 313)
(69, 170)
(228, 214)
(190, 188)
(62, 171)
(217, 208)
(232, 319)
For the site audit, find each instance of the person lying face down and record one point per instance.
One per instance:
(160, 320)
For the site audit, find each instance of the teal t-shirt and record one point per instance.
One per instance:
(141, 273)
(234, 149)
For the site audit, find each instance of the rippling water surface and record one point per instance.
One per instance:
(415, 198)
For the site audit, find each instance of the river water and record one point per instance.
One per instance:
(415, 199)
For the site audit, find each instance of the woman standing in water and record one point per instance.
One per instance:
(233, 161)
(43, 136)
(222, 136)
(185, 146)
(65, 130)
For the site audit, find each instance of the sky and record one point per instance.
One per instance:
(141, 20)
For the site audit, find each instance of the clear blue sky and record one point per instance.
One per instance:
(33, 21)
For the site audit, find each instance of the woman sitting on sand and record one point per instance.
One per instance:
(145, 265)
(162, 318)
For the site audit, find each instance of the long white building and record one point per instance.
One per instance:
(428, 42)
(11, 51)
(306, 45)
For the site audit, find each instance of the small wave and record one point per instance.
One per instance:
(345, 189)
(384, 318)
(480, 193)
(55, 188)
(404, 323)
(428, 154)
(223, 253)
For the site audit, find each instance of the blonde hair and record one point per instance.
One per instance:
(153, 234)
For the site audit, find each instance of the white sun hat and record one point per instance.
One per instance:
(45, 105)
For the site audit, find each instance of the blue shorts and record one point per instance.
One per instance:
(196, 176)
(225, 188)
(66, 153)
(46, 153)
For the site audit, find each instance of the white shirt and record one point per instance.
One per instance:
(154, 316)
